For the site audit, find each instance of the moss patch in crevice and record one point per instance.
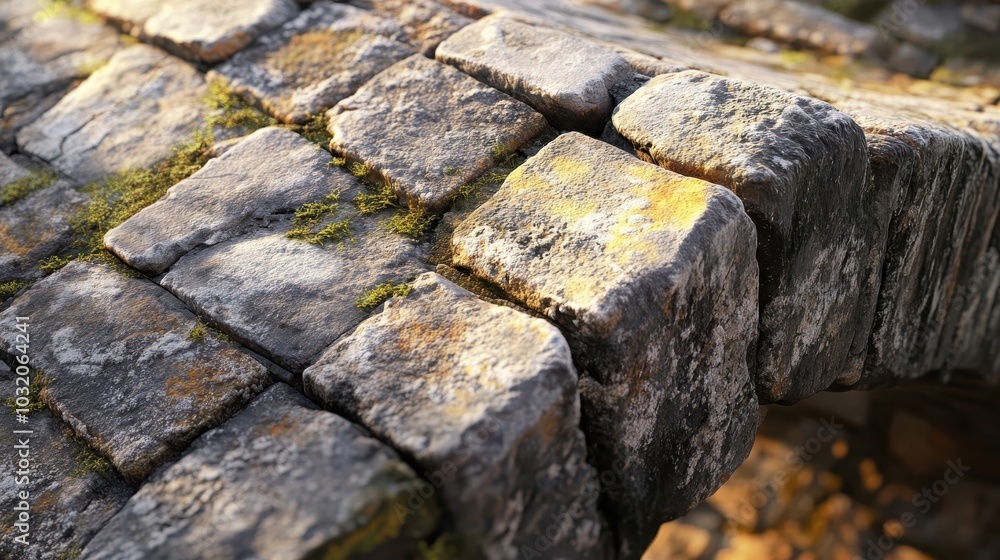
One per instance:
(229, 110)
(377, 295)
(39, 381)
(121, 195)
(9, 289)
(19, 189)
(313, 222)
(313, 130)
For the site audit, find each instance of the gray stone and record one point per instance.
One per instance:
(801, 168)
(289, 299)
(208, 32)
(652, 278)
(312, 62)
(279, 480)
(911, 59)
(42, 58)
(69, 500)
(567, 79)
(125, 374)
(485, 399)
(36, 226)
(935, 245)
(428, 129)
(983, 16)
(802, 25)
(273, 170)
(425, 23)
(129, 113)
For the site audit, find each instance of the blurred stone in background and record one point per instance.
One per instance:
(910, 473)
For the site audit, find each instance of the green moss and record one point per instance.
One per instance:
(314, 130)
(86, 461)
(374, 297)
(39, 381)
(199, 332)
(8, 289)
(411, 222)
(55, 262)
(309, 217)
(229, 110)
(378, 198)
(121, 195)
(500, 153)
(21, 188)
(70, 553)
(333, 232)
(338, 162)
(452, 171)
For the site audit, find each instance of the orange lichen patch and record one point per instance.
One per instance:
(197, 382)
(13, 243)
(419, 334)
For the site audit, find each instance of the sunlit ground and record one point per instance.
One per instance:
(908, 474)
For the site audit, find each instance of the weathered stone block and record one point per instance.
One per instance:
(289, 299)
(125, 374)
(652, 278)
(279, 480)
(428, 129)
(566, 78)
(199, 31)
(69, 500)
(801, 168)
(495, 424)
(936, 246)
(37, 225)
(129, 113)
(425, 23)
(273, 170)
(801, 25)
(43, 52)
(312, 62)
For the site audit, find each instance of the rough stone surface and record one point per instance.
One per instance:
(565, 78)
(69, 502)
(41, 58)
(801, 168)
(496, 423)
(36, 226)
(126, 376)
(129, 113)
(801, 25)
(199, 31)
(289, 299)
(271, 171)
(312, 62)
(428, 129)
(424, 23)
(928, 265)
(652, 277)
(280, 480)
